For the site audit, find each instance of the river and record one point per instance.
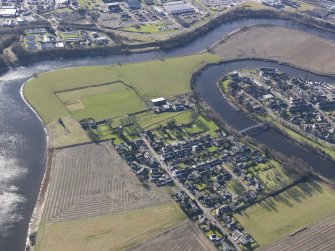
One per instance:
(23, 141)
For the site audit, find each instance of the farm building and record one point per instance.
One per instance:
(158, 101)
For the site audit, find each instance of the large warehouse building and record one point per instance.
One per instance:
(8, 12)
(179, 7)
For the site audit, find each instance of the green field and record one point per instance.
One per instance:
(114, 232)
(151, 79)
(203, 124)
(293, 209)
(149, 28)
(102, 102)
(149, 120)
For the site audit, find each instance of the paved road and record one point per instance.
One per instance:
(207, 211)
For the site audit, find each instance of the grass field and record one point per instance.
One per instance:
(102, 102)
(148, 119)
(295, 208)
(114, 232)
(167, 78)
(150, 28)
(59, 136)
(318, 236)
(202, 124)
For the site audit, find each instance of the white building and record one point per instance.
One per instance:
(179, 7)
(8, 12)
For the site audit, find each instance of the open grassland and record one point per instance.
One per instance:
(151, 79)
(72, 134)
(293, 209)
(186, 237)
(319, 236)
(282, 44)
(102, 102)
(113, 232)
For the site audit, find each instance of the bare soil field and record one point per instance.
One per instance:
(93, 180)
(319, 236)
(184, 237)
(282, 44)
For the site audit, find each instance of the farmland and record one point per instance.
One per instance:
(112, 232)
(317, 236)
(184, 237)
(92, 180)
(91, 185)
(281, 44)
(281, 215)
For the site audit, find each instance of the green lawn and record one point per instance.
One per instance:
(149, 28)
(298, 207)
(102, 102)
(152, 79)
(202, 124)
(150, 120)
(272, 176)
(235, 186)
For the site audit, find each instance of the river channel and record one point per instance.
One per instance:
(23, 142)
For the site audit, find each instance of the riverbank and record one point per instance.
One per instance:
(122, 48)
(43, 192)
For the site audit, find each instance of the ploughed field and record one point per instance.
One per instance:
(187, 237)
(92, 186)
(92, 180)
(282, 44)
(319, 236)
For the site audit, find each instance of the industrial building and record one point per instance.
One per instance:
(114, 7)
(179, 7)
(158, 101)
(8, 12)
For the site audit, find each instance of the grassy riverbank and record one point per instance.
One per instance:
(108, 92)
